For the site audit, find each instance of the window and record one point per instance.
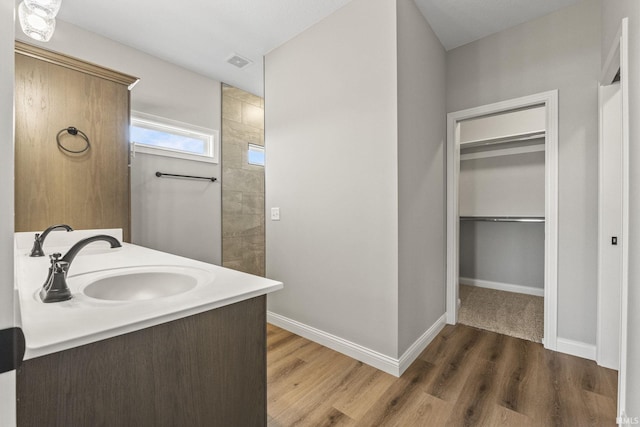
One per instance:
(163, 137)
(256, 155)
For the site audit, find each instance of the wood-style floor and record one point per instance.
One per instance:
(466, 377)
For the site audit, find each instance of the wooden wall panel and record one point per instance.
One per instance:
(90, 190)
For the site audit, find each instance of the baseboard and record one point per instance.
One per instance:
(412, 353)
(499, 286)
(576, 348)
(373, 358)
(351, 349)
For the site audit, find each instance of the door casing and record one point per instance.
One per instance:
(550, 100)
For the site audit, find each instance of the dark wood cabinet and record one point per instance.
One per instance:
(204, 370)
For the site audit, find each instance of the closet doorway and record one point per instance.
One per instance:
(539, 141)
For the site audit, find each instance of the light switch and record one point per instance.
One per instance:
(275, 214)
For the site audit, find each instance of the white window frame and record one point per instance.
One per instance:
(209, 136)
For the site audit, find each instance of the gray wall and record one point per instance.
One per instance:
(612, 14)
(510, 253)
(559, 51)
(421, 179)
(175, 215)
(7, 379)
(163, 216)
(331, 143)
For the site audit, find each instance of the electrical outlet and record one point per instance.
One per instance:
(275, 214)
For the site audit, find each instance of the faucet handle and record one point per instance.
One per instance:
(57, 265)
(60, 267)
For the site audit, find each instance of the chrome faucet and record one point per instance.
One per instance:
(55, 288)
(39, 240)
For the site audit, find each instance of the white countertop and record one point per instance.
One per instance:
(53, 327)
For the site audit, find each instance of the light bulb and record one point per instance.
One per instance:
(45, 8)
(34, 25)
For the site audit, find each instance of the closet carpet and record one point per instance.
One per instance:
(508, 313)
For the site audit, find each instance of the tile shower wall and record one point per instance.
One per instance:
(243, 243)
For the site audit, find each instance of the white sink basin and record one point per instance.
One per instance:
(141, 283)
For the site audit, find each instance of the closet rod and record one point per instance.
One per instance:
(532, 219)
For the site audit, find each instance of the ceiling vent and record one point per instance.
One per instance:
(239, 61)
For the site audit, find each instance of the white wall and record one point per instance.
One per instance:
(502, 186)
(172, 92)
(421, 175)
(331, 142)
(612, 14)
(7, 380)
(559, 51)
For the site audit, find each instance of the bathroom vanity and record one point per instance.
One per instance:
(194, 358)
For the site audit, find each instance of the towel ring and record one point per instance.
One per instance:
(73, 131)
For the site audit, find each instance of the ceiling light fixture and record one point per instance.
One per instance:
(38, 18)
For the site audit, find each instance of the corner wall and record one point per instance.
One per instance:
(558, 51)
(355, 137)
(331, 147)
(421, 176)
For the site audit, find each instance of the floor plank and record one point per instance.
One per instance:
(357, 395)
(465, 377)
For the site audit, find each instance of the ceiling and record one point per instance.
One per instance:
(458, 22)
(201, 35)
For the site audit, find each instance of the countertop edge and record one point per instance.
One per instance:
(32, 353)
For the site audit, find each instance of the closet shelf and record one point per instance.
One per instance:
(522, 137)
(529, 143)
(528, 219)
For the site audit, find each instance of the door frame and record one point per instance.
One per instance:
(550, 100)
(7, 320)
(604, 353)
(618, 59)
